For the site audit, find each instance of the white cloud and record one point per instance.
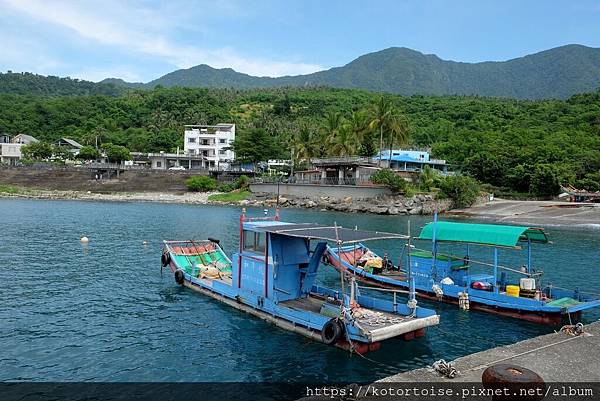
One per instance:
(146, 31)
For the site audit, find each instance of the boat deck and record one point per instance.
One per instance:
(369, 320)
(311, 304)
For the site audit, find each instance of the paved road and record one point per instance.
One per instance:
(535, 212)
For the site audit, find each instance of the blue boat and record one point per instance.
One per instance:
(272, 276)
(470, 284)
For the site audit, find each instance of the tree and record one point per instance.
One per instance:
(254, 145)
(332, 123)
(381, 113)
(487, 166)
(62, 153)
(427, 178)
(304, 143)
(386, 118)
(37, 150)
(282, 106)
(544, 181)
(88, 153)
(389, 178)
(344, 141)
(116, 153)
(462, 189)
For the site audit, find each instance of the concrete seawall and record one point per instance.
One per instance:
(556, 357)
(317, 191)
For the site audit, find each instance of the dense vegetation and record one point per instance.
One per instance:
(519, 146)
(39, 85)
(555, 73)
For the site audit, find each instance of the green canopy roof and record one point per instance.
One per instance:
(485, 234)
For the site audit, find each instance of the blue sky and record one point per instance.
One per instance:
(142, 40)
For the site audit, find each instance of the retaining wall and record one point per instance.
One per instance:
(81, 179)
(316, 191)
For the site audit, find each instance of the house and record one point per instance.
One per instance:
(211, 143)
(410, 162)
(165, 161)
(73, 146)
(23, 139)
(10, 151)
(357, 170)
(350, 170)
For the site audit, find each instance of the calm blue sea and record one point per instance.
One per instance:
(104, 312)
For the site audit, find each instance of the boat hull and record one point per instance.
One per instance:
(538, 317)
(354, 346)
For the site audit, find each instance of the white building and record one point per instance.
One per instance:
(212, 143)
(10, 149)
(10, 153)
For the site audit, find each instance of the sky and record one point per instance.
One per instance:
(141, 40)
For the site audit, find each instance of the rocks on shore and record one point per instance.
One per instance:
(388, 205)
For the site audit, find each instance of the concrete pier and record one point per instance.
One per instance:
(556, 357)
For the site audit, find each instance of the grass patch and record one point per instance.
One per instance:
(230, 196)
(10, 189)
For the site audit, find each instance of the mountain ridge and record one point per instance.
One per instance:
(559, 72)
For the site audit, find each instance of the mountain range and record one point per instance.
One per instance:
(555, 73)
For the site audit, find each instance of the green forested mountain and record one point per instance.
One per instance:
(505, 143)
(39, 85)
(555, 73)
(552, 74)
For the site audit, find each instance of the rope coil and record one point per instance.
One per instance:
(573, 329)
(445, 369)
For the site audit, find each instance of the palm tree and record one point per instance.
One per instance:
(359, 124)
(398, 131)
(303, 143)
(333, 122)
(427, 178)
(345, 142)
(382, 113)
(385, 117)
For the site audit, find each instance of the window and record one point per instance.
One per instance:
(222, 152)
(222, 140)
(254, 242)
(158, 164)
(191, 140)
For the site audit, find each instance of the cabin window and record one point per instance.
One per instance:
(254, 241)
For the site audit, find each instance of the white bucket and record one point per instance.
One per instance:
(527, 284)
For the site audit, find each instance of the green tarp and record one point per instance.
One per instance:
(485, 234)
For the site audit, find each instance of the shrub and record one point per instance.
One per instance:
(463, 190)
(242, 182)
(226, 188)
(389, 178)
(200, 184)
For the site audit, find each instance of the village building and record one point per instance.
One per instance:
(70, 144)
(212, 143)
(10, 148)
(357, 170)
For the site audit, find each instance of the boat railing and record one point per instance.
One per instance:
(471, 261)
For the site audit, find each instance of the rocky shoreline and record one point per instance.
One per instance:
(420, 204)
(387, 205)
